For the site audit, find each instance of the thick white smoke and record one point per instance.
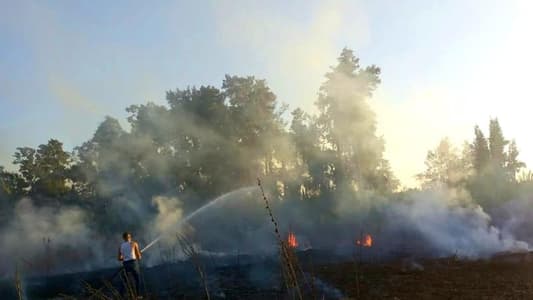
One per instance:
(44, 239)
(451, 224)
(444, 221)
(169, 213)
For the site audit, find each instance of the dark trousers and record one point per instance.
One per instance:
(131, 269)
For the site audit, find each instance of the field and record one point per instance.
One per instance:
(507, 276)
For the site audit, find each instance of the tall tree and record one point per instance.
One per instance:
(348, 124)
(101, 158)
(257, 122)
(444, 165)
(480, 151)
(203, 149)
(496, 164)
(309, 165)
(44, 170)
(12, 185)
(497, 144)
(26, 160)
(512, 163)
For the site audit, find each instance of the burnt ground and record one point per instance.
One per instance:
(506, 276)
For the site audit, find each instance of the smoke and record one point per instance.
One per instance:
(44, 239)
(451, 224)
(440, 222)
(169, 213)
(516, 216)
(49, 240)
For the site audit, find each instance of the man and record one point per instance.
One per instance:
(129, 254)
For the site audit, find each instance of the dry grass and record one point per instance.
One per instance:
(291, 269)
(18, 284)
(190, 251)
(114, 294)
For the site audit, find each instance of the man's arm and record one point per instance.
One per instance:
(138, 253)
(120, 257)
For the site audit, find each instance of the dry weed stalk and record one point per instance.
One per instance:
(190, 251)
(18, 284)
(95, 293)
(288, 258)
(98, 294)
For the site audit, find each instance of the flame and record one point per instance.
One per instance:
(291, 240)
(365, 242)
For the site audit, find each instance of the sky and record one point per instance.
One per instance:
(446, 65)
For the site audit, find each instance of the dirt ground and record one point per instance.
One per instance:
(507, 276)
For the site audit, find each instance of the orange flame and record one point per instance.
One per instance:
(291, 240)
(365, 242)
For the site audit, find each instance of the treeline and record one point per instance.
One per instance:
(488, 168)
(207, 141)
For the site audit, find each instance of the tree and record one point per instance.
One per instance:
(201, 140)
(496, 164)
(309, 166)
(480, 151)
(11, 188)
(45, 170)
(257, 122)
(25, 158)
(445, 165)
(348, 124)
(495, 156)
(101, 158)
(512, 163)
(11, 184)
(497, 144)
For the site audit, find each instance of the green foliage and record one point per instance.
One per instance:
(207, 141)
(512, 165)
(480, 150)
(496, 166)
(446, 165)
(11, 184)
(45, 169)
(497, 144)
(347, 126)
(487, 168)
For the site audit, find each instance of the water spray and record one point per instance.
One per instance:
(186, 219)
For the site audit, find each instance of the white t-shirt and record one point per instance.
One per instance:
(126, 249)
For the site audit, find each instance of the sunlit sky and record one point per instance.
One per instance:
(446, 65)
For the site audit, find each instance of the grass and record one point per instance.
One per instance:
(190, 251)
(114, 294)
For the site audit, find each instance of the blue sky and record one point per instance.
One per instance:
(446, 65)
